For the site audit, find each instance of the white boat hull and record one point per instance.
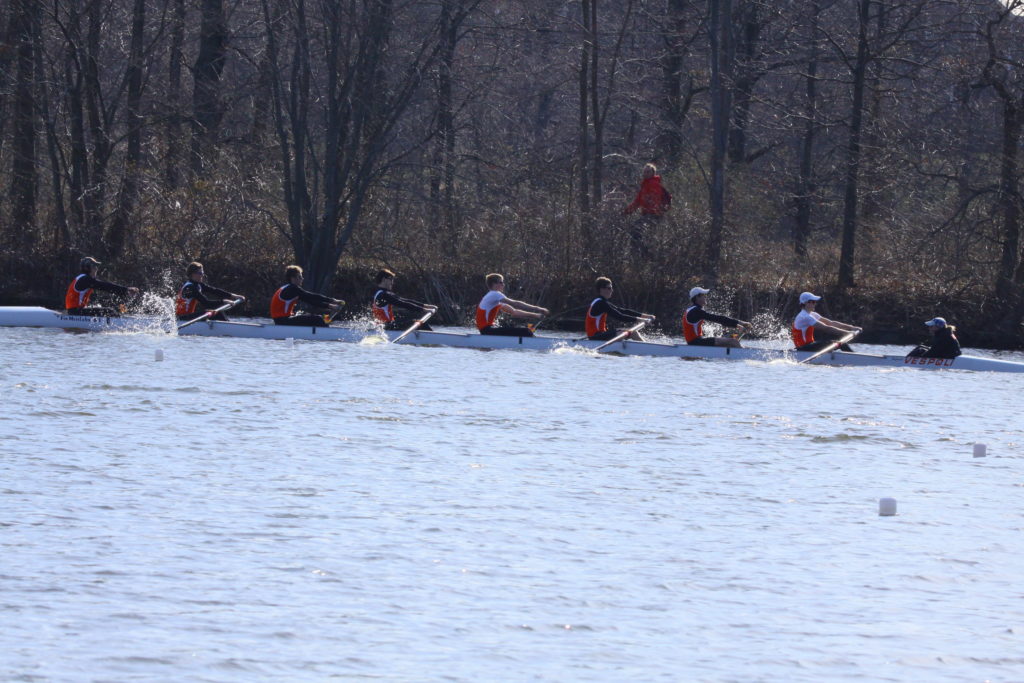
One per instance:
(629, 348)
(37, 316)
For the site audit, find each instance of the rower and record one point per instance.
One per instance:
(76, 300)
(386, 301)
(944, 343)
(494, 303)
(807, 322)
(287, 297)
(600, 309)
(695, 315)
(194, 297)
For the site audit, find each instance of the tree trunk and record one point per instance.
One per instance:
(852, 170)
(95, 191)
(24, 32)
(673, 105)
(128, 196)
(747, 77)
(207, 107)
(597, 166)
(584, 118)
(173, 156)
(1009, 197)
(718, 37)
(805, 181)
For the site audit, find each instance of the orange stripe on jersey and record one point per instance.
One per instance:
(596, 324)
(691, 331)
(486, 318)
(183, 306)
(803, 338)
(75, 299)
(282, 308)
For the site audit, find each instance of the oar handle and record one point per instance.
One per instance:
(622, 335)
(831, 347)
(209, 314)
(413, 328)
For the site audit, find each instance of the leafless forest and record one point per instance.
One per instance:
(868, 149)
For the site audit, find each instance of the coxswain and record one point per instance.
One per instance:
(601, 309)
(288, 296)
(808, 322)
(494, 303)
(386, 301)
(943, 342)
(76, 300)
(695, 315)
(196, 296)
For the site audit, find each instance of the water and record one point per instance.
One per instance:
(245, 510)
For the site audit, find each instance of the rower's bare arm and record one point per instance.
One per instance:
(838, 326)
(527, 307)
(520, 313)
(831, 327)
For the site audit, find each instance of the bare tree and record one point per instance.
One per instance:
(335, 115)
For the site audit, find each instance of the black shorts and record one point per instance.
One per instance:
(703, 341)
(219, 315)
(822, 343)
(403, 325)
(306, 320)
(508, 331)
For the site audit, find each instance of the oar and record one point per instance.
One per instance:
(831, 347)
(415, 326)
(212, 313)
(622, 335)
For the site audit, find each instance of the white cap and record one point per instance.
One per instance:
(936, 322)
(807, 296)
(696, 291)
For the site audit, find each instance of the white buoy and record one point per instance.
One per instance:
(886, 507)
(158, 355)
(979, 450)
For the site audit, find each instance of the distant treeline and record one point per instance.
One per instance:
(866, 149)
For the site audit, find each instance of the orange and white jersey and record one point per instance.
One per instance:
(596, 324)
(185, 305)
(803, 327)
(281, 307)
(692, 331)
(488, 309)
(74, 298)
(385, 313)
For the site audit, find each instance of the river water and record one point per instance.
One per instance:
(253, 510)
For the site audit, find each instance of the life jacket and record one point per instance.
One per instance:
(691, 331)
(282, 308)
(384, 314)
(485, 317)
(185, 306)
(596, 324)
(74, 298)
(802, 338)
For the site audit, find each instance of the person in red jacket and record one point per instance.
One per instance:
(653, 200)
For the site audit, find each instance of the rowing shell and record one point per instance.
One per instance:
(626, 347)
(34, 316)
